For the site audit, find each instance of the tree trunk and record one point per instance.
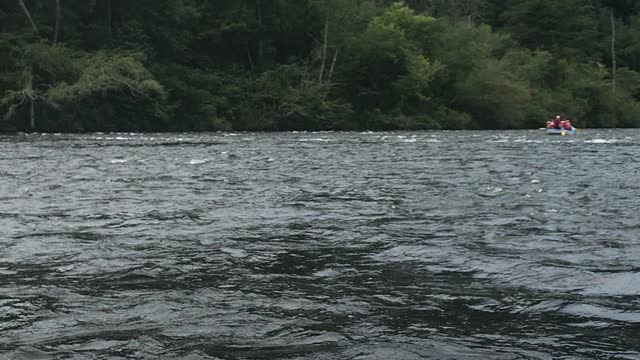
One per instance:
(26, 12)
(250, 59)
(333, 64)
(109, 16)
(32, 110)
(56, 31)
(32, 116)
(260, 41)
(613, 52)
(324, 50)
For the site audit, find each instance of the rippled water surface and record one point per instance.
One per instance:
(432, 245)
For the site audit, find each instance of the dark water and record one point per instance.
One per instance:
(442, 245)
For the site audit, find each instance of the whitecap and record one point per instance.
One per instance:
(604, 141)
(326, 273)
(601, 312)
(66, 268)
(616, 284)
(4, 271)
(314, 140)
(198, 161)
(591, 324)
(236, 253)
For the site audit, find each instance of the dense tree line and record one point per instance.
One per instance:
(175, 65)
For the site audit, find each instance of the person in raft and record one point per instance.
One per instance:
(559, 124)
(566, 124)
(555, 123)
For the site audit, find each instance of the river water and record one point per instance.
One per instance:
(429, 245)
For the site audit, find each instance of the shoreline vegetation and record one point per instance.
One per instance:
(284, 65)
(231, 133)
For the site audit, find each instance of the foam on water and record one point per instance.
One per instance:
(198, 161)
(607, 141)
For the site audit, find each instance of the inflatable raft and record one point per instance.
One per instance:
(561, 132)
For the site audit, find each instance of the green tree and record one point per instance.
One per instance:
(316, 64)
(568, 28)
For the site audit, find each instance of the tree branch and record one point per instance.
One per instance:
(250, 59)
(12, 109)
(333, 64)
(324, 49)
(26, 12)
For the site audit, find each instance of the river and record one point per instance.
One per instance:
(397, 245)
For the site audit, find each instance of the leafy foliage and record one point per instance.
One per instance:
(182, 65)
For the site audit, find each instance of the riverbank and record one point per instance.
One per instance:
(291, 65)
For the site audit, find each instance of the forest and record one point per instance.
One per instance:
(281, 65)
